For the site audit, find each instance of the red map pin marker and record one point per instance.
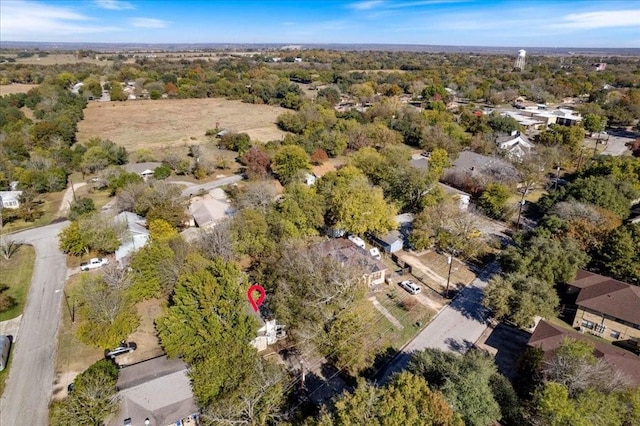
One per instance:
(255, 303)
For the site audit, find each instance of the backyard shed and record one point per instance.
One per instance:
(390, 242)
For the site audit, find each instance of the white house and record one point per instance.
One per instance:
(10, 199)
(517, 146)
(145, 170)
(268, 334)
(310, 179)
(136, 235)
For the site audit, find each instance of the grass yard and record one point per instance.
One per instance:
(50, 206)
(175, 122)
(413, 316)
(99, 197)
(72, 356)
(16, 274)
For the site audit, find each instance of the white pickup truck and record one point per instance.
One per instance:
(96, 262)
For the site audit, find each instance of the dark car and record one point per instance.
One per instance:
(123, 348)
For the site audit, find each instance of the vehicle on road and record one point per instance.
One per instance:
(124, 348)
(96, 262)
(410, 286)
(5, 345)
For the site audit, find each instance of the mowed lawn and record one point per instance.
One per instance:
(176, 122)
(16, 275)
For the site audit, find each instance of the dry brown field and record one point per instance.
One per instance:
(8, 89)
(175, 122)
(58, 59)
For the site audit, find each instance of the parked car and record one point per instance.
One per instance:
(124, 348)
(96, 262)
(410, 286)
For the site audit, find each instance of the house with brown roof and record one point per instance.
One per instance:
(349, 254)
(607, 307)
(549, 337)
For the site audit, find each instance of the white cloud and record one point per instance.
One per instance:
(114, 4)
(601, 19)
(366, 5)
(148, 23)
(32, 21)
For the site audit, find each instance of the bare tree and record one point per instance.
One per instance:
(258, 195)
(217, 242)
(115, 276)
(8, 248)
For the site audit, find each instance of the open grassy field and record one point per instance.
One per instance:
(16, 274)
(175, 122)
(8, 89)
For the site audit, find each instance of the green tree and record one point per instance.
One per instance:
(162, 172)
(93, 231)
(251, 234)
(620, 254)
(518, 299)
(438, 161)
(80, 207)
(546, 259)
(93, 400)
(463, 380)
(606, 192)
(406, 400)
(148, 274)
(72, 240)
(207, 326)
(303, 208)
(353, 204)
(347, 343)
(493, 199)
(289, 161)
(594, 123)
(108, 316)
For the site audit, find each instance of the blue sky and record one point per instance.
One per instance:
(524, 23)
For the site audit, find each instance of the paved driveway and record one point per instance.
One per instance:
(30, 382)
(456, 327)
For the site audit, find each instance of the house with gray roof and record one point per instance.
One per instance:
(135, 237)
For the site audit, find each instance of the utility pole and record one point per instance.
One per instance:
(520, 207)
(73, 190)
(450, 262)
(72, 312)
(595, 148)
(557, 176)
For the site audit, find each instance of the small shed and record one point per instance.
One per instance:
(390, 242)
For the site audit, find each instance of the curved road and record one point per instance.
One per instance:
(28, 388)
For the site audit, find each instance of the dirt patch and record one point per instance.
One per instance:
(431, 269)
(16, 88)
(145, 336)
(328, 166)
(175, 122)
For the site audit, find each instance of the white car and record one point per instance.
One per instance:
(410, 286)
(96, 262)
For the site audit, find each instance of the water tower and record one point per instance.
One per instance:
(520, 59)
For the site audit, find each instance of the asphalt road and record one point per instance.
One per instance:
(195, 189)
(30, 382)
(455, 329)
